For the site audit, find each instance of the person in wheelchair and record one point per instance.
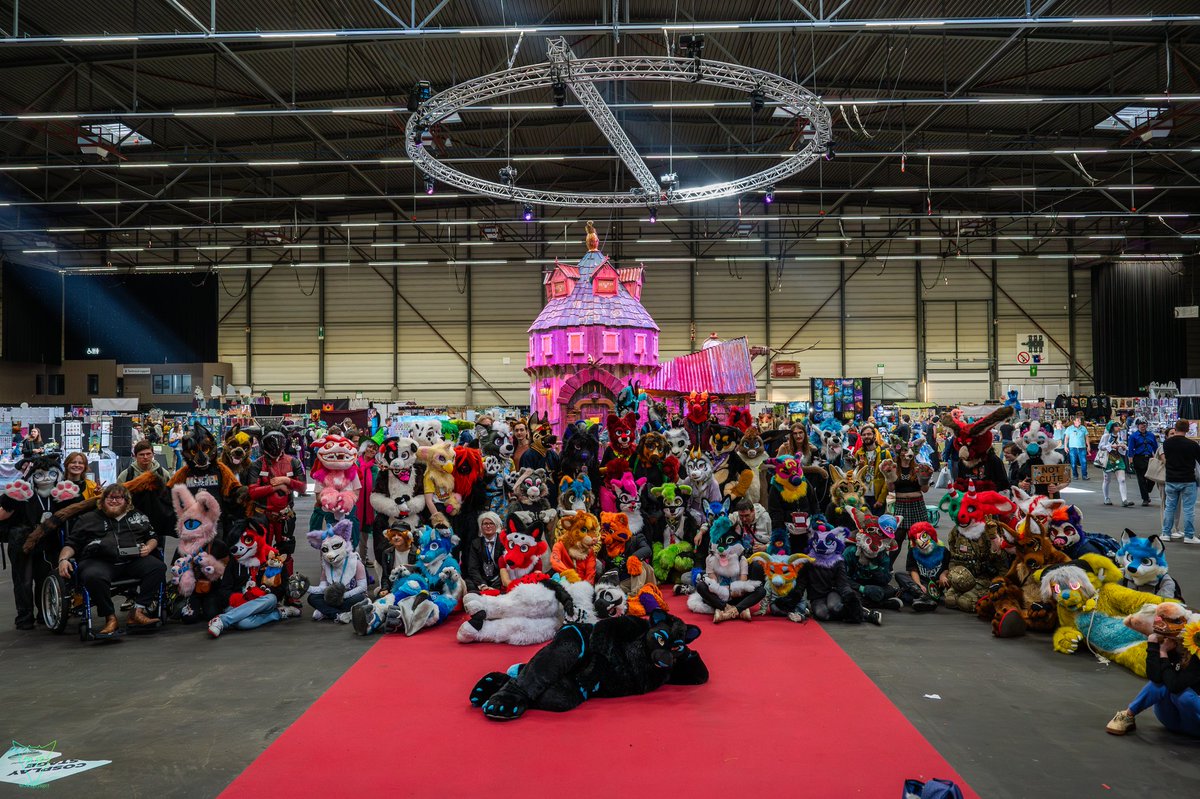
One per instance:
(115, 542)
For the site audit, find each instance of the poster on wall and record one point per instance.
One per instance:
(843, 397)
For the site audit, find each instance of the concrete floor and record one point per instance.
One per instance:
(181, 715)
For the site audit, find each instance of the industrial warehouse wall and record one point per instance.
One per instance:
(931, 323)
(481, 313)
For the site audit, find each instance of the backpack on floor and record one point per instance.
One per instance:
(934, 789)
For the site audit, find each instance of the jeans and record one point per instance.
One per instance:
(1176, 493)
(254, 613)
(317, 601)
(1078, 461)
(1178, 712)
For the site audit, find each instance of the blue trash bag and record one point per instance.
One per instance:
(934, 789)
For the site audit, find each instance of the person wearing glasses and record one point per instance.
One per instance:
(115, 542)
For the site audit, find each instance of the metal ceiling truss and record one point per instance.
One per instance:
(580, 75)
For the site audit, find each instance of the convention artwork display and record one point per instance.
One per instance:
(843, 397)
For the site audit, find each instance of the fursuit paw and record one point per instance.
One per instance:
(1009, 624)
(487, 687)
(64, 491)
(19, 490)
(507, 704)
(634, 566)
(1067, 641)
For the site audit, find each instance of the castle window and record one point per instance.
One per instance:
(575, 343)
(612, 343)
(605, 287)
(547, 346)
(639, 344)
(560, 288)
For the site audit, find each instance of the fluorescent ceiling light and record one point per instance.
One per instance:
(397, 263)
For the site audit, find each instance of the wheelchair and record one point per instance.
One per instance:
(59, 599)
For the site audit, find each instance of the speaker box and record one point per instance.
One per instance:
(122, 436)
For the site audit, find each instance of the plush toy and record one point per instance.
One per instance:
(623, 656)
(577, 537)
(273, 573)
(336, 479)
(343, 576)
(829, 591)
(726, 576)
(622, 431)
(1143, 562)
(397, 494)
(1092, 606)
(868, 561)
(782, 597)
(423, 595)
(629, 555)
(672, 546)
(1013, 400)
(1013, 603)
(439, 477)
(196, 526)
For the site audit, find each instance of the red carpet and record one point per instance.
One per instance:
(784, 706)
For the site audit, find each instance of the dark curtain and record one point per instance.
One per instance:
(1136, 339)
(32, 299)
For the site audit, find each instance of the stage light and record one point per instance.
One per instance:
(560, 93)
(653, 215)
(829, 152)
(508, 175)
(769, 195)
(421, 92)
(669, 181)
(758, 100)
(428, 185)
(527, 213)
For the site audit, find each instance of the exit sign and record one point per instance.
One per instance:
(1187, 311)
(1033, 370)
(287, 396)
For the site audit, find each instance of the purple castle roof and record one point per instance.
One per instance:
(584, 307)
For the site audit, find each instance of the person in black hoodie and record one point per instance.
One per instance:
(1173, 672)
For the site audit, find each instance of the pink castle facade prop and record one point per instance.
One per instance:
(594, 337)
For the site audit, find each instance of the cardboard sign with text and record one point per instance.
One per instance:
(1056, 474)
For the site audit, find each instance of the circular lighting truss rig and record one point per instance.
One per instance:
(580, 75)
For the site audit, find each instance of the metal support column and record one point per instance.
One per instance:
(695, 264)
(321, 315)
(994, 336)
(470, 341)
(919, 289)
(395, 332)
(767, 275)
(249, 331)
(842, 307)
(1073, 374)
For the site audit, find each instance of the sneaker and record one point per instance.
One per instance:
(288, 611)
(873, 616)
(725, 614)
(344, 618)
(1128, 503)
(1192, 540)
(745, 615)
(893, 603)
(215, 627)
(1108, 502)
(924, 604)
(318, 615)
(1175, 536)
(1145, 503)
(1121, 723)
(799, 618)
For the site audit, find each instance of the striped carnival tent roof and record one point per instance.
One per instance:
(722, 369)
